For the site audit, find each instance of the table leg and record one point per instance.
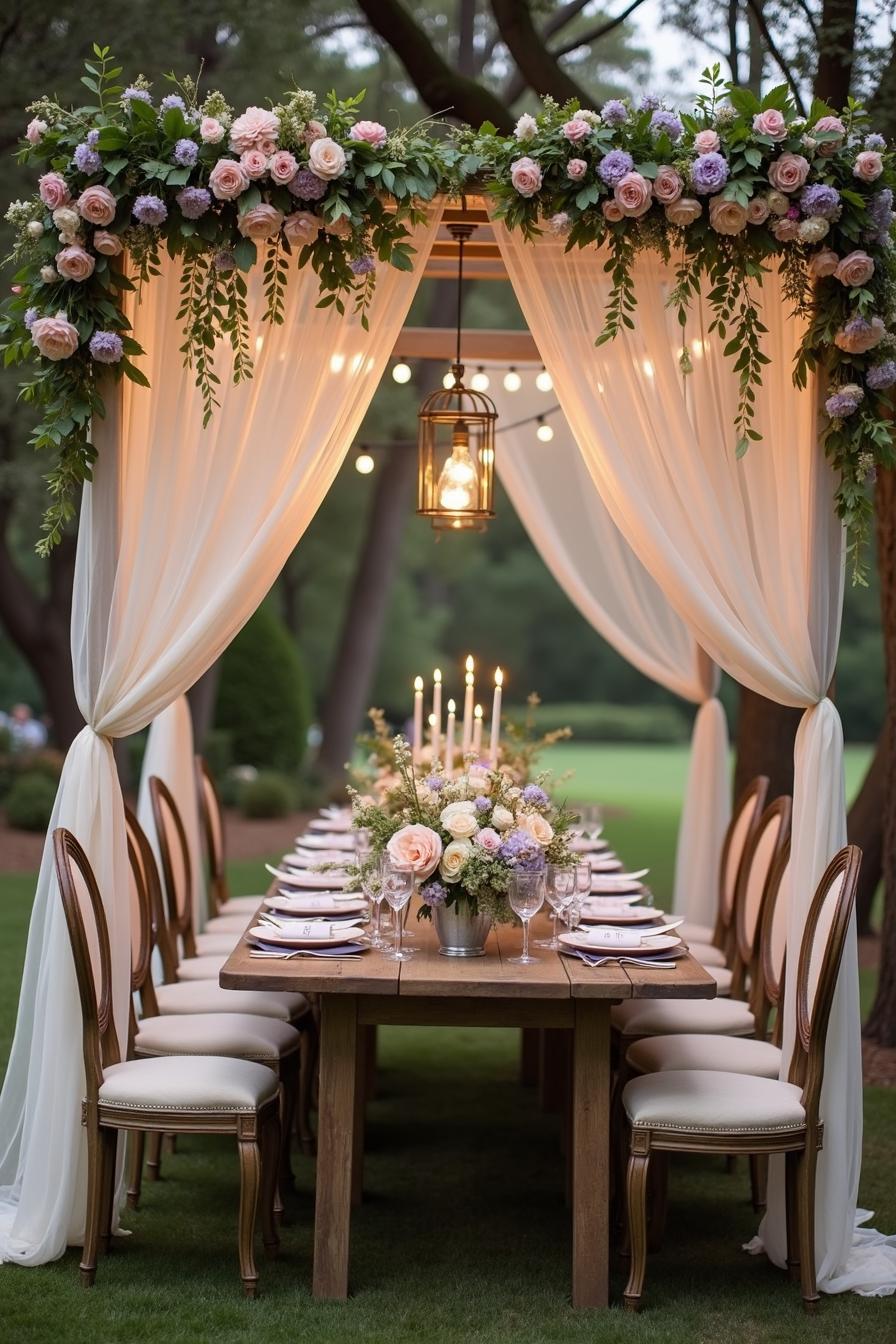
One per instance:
(360, 1117)
(335, 1144)
(590, 1154)
(529, 1056)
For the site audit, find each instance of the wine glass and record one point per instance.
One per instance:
(592, 821)
(526, 899)
(572, 912)
(583, 878)
(561, 887)
(398, 883)
(372, 887)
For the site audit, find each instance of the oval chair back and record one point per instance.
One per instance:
(211, 819)
(747, 811)
(89, 936)
(177, 870)
(771, 834)
(768, 996)
(146, 896)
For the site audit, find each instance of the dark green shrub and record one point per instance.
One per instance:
(29, 803)
(268, 795)
(263, 696)
(218, 752)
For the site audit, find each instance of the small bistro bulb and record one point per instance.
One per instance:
(364, 464)
(401, 372)
(512, 381)
(479, 382)
(544, 433)
(448, 381)
(544, 382)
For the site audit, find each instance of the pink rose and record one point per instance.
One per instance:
(855, 269)
(823, 263)
(301, 227)
(576, 130)
(262, 221)
(35, 131)
(108, 243)
(326, 159)
(789, 172)
(829, 147)
(559, 224)
(53, 190)
(314, 130)
(667, 185)
(525, 174)
(611, 212)
(96, 205)
(283, 167)
(55, 337)
(228, 179)
(770, 123)
(488, 839)
(370, 132)
(576, 169)
(417, 846)
(728, 217)
(707, 142)
(757, 210)
(254, 164)
(633, 194)
(339, 228)
(869, 335)
(785, 230)
(684, 211)
(73, 263)
(211, 132)
(868, 165)
(254, 129)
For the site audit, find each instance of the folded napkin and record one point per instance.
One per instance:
(326, 840)
(311, 928)
(313, 858)
(618, 959)
(607, 933)
(257, 948)
(307, 904)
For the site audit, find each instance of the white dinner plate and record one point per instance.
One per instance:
(333, 880)
(615, 884)
(327, 903)
(339, 821)
(615, 898)
(583, 846)
(625, 941)
(602, 864)
(266, 933)
(307, 858)
(326, 840)
(618, 914)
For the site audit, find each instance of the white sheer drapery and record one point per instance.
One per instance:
(169, 754)
(750, 554)
(182, 532)
(553, 493)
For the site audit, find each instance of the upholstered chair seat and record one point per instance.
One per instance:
(664, 1017)
(241, 1035)
(207, 996)
(657, 1054)
(194, 1084)
(707, 1102)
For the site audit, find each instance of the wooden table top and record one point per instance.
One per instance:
(430, 975)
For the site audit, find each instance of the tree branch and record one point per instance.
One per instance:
(538, 66)
(592, 35)
(775, 53)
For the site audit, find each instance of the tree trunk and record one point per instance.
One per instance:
(203, 697)
(765, 738)
(864, 826)
(881, 1025)
(836, 46)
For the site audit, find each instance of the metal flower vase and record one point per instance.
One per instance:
(461, 932)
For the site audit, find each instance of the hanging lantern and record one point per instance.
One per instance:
(456, 442)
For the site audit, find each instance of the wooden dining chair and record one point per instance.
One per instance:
(211, 820)
(198, 1095)
(707, 1111)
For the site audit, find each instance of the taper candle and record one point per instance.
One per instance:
(467, 737)
(449, 739)
(436, 715)
(418, 718)
(496, 719)
(477, 731)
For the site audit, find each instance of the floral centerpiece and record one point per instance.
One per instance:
(466, 836)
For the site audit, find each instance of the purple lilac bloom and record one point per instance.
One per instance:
(535, 795)
(878, 377)
(880, 216)
(433, 893)
(224, 260)
(172, 100)
(821, 200)
(150, 210)
(193, 202)
(434, 782)
(106, 347)
(186, 153)
(666, 123)
(614, 166)
(93, 139)
(362, 265)
(132, 94)
(843, 403)
(307, 185)
(481, 803)
(709, 173)
(87, 160)
(649, 103)
(31, 317)
(614, 113)
(875, 141)
(520, 851)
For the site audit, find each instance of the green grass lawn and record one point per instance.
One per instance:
(463, 1236)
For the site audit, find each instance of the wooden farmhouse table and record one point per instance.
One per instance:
(432, 990)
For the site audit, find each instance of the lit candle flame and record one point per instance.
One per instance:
(469, 662)
(452, 707)
(499, 677)
(469, 678)
(418, 683)
(478, 711)
(437, 676)
(432, 720)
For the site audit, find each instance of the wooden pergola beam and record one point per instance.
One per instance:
(511, 347)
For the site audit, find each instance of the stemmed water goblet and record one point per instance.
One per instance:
(526, 896)
(583, 877)
(592, 821)
(398, 884)
(572, 912)
(372, 887)
(560, 888)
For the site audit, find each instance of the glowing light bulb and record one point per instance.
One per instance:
(364, 464)
(401, 372)
(544, 433)
(448, 381)
(512, 381)
(458, 476)
(544, 382)
(479, 382)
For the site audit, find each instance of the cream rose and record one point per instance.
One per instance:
(417, 846)
(256, 128)
(789, 172)
(727, 217)
(770, 123)
(326, 159)
(667, 185)
(66, 219)
(868, 165)
(502, 818)
(684, 211)
(454, 860)
(108, 243)
(254, 164)
(301, 227)
(757, 210)
(283, 167)
(55, 337)
(96, 205)
(478, 780)
(611, 211)
(823, 263)
(228, 179)
(777, 202)
(525, 174)
(707, 142)
(535, 825)
(459, 820)
(73, 263)
(633, 195)
(211, 132)
(262, 221)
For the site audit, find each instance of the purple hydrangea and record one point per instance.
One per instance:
(106, 347)
(820, 199)
(614, 166)
(133, 94)
(481, 803)
(649, 103)
(307, 185)
(844, 402)
(520, 851)
(535, 795)
(186, 153)
(30, 317)
(434, 782)
(614, 112)
(193, 202)
(433, 893)
(87, 160)
(666, 123)
(875, 141)
(362, 265)
(150, 210)
(172, 100)
(879, 376)
(709, 173)
(93, 139)
(224, 260)
(880, 216)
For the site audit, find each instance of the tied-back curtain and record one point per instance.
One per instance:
(182, 532)
(750, 554)
(169, 754)
(553, 493)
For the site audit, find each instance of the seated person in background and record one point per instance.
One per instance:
(26, 732)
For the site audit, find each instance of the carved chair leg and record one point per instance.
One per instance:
(270, 1161)
(137, 1145)
(94, 1205)
(109, 1140)
(805, 1179)
(636, 1201)
(790, 1204)
(154, 1155)
(250, 1172)
(758, 1181)
(308, 1065)
(658, 1189)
